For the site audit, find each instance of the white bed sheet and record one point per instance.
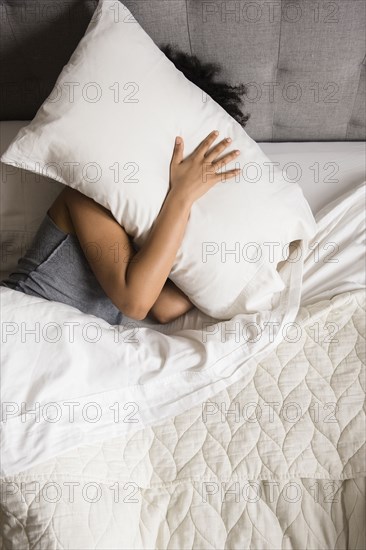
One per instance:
(157, 373)
(324, 169)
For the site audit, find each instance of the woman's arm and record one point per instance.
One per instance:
(132, 281)
(171, 303)
(146, 275)
(189, 180)
(125, 279)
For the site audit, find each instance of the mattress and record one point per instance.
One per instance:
(204, 439)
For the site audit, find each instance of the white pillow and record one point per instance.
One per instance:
(108, 130)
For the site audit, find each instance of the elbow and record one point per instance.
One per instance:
(159, 314)
(134, 311)
(130, 304)
(161, 320)
(163, 317)
(135, 314)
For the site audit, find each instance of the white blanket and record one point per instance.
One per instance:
(85, 381)
(276, 460)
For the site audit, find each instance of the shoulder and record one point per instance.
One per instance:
(74, 198)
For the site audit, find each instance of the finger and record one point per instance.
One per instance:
(205, 144)
(226, 158)
(178, 150)
(227, 175)
(214, 152)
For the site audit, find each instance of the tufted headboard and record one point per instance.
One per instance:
(302, 60)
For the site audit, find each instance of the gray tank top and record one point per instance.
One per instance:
(55, 268)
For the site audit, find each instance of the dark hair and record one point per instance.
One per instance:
(202, 74)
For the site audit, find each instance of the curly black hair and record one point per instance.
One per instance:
(203, 74)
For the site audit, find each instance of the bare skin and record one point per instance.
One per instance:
(171, 303)
(137, 282)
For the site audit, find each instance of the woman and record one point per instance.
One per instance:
(83, 257)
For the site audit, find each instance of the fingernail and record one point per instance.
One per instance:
(228, 140)
(178, 140)
(216, 133)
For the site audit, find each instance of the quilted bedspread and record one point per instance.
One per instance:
(275, 461)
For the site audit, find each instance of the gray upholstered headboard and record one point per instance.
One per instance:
(302, 60)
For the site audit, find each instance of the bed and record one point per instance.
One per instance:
(177, 435)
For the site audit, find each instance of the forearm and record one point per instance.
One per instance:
(147, 273)
(171, 303)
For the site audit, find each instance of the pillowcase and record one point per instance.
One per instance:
(108, 130)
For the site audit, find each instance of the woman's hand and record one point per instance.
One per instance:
(196, 174)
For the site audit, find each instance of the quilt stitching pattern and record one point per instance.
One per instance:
(284, 448)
